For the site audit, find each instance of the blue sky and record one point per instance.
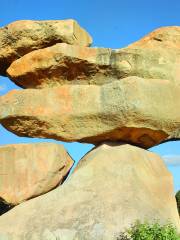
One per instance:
(113, 24)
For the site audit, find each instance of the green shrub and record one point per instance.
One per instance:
(146, 231)
(178, 201)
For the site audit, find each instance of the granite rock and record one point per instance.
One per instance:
(133, 110)
(30, 170)
(24, 36)
(112, 187)
(156, 56)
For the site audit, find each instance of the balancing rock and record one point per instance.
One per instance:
(135, 110)
(151, 57)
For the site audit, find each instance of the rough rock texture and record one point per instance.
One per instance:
(112, 187)
(155, 56)
(21, 37)
(168, 37)
(63, 64)
(133, 110)
(29, 170)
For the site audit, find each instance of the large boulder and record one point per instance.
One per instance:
(164, 37)
(29, 170)
(133, 110)
(60, 64)
(21, 37)
(63, 64)
(113, 186)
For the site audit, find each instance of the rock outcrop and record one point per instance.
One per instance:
(113, 186)
(21, 37)
(30, 170)
(69, 64)
(164, 37)
(78, 93)
(96, 113)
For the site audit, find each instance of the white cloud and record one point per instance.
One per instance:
(172, 160)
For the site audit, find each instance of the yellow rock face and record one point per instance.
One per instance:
(168, 37)
(78, 93)
(96, 94)
(21, 37)
(133, 110)
(30, 170)
(113, 186)
(156, 56)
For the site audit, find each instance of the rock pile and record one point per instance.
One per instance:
(113, 186)
(74, 77)
(78, 93)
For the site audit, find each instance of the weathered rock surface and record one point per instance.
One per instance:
(168, 37)
(96, 113)
(63, 64)
(112, 187)
(156, 56)
(29, 170)
(21, 37)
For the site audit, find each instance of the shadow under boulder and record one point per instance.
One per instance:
(4, 206)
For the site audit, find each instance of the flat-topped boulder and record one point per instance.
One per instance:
(135, 110)
(30, 170)
(112, 187)
(24, 36)
(69, 64)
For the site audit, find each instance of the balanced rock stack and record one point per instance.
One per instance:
(124, 101)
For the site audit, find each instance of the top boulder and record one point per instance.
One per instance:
(168, 37)
(156, 56)
(22, 37)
